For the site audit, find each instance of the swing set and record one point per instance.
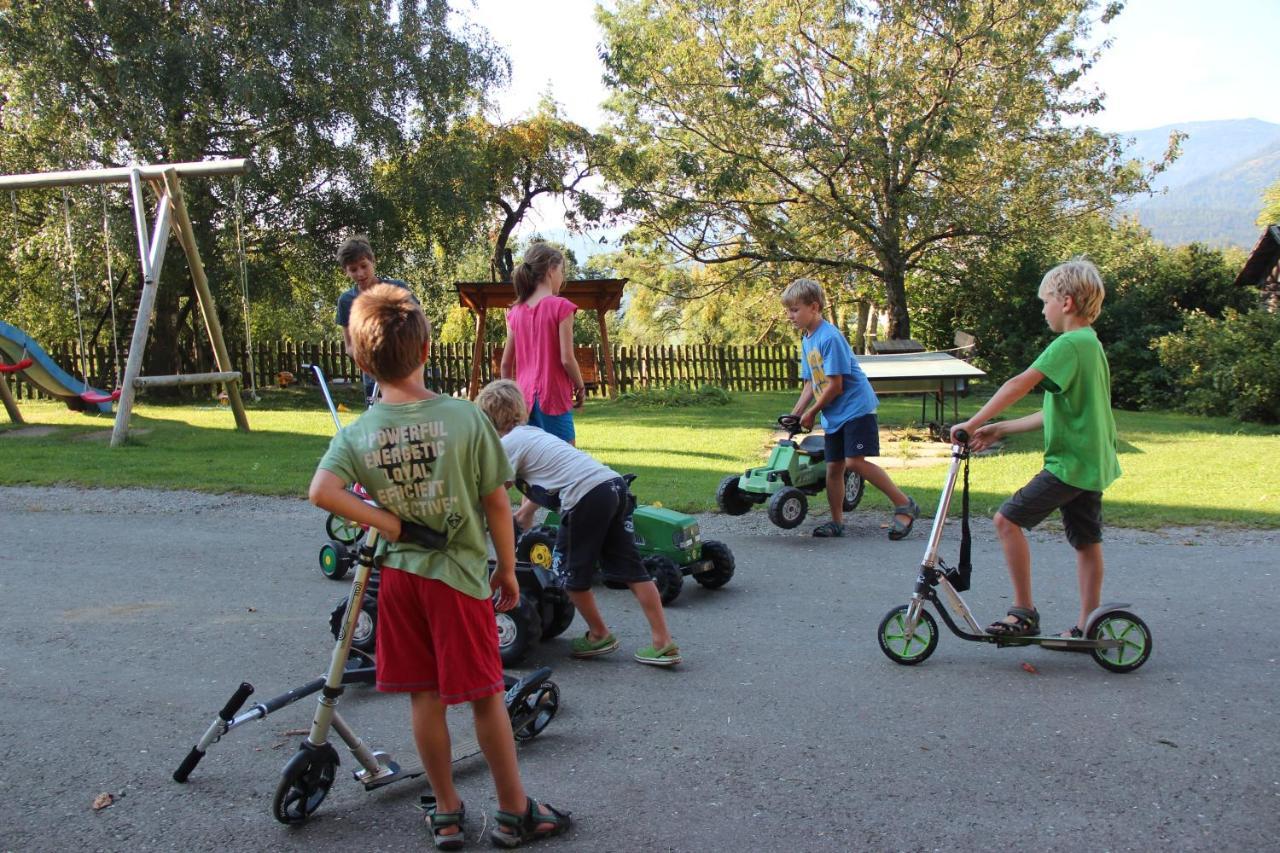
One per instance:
(170, 215)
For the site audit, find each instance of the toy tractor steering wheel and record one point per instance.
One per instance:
(791, 423)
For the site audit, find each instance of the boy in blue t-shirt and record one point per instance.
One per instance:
(836, 387)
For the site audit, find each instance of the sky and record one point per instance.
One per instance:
(1170, 61)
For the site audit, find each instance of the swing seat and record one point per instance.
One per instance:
(14, 368)
(95, 399)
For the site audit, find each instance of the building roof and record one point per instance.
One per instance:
(1263, 260)
(589, 294)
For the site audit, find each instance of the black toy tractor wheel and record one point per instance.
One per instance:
(666, 574)
(517, 629)
(537, 546)
(722, 565)
(558, 612)
(787, 508)
(853, 488)
(730, 498)
(364, 637)
(336, 560)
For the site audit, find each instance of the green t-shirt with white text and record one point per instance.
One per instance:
(1079, 429)
(429, 462)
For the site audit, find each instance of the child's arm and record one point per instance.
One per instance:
(806, 397)
(330, 493)
(508, 367)
(497, 510)
(1010, 392)
(569, 360)
(835, 384)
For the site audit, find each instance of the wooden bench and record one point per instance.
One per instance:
(588, 365)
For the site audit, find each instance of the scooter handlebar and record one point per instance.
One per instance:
(960, 436)
(421, 535)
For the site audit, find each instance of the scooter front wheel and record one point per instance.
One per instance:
(1134, 637)
(906, 648)
(304, 783)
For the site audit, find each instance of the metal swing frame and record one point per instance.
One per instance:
(171, 215)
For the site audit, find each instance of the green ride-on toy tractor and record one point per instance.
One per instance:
(669, 542)
(795, 471)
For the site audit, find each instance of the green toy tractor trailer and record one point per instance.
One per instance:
(795, 472)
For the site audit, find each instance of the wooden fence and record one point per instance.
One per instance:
(762, 368)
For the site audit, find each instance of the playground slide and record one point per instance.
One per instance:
(45, 373)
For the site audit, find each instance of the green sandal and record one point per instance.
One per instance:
(898, 530)
(438, 820)
(1026, 623)
(585, 647)
(514, 830)
(668, 655)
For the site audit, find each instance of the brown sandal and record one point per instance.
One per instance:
(1026, 623)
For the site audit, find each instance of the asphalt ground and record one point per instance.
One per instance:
(131, 616)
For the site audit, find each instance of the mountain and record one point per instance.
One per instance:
(1212, 193)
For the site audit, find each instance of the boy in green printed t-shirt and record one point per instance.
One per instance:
(1079, 444)
(434, 461)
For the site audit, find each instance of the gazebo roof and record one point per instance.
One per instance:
(589, 294)
(1263, 260)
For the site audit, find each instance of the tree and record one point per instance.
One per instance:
(483, 177)
(1270, 214)
(864, 137)
(311, 92)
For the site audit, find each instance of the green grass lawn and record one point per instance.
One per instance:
(1179, 470)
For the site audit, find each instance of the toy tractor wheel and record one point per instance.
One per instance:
(853, 488)
(335, 560)
(517, 629)
(364, 637)
(341, 530)
(730, 498)
(561, 611)
(536, 546)
(721, 565)
(787, 508)
(666, 574)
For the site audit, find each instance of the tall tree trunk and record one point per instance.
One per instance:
(895, 291)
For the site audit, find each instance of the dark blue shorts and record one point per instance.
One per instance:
(561, 426)
(858, 436)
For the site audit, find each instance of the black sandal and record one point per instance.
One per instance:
(1026, 623)
(1074, 634)
(523, 828)
(439, 820)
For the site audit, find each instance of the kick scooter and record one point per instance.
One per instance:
(1116, 638)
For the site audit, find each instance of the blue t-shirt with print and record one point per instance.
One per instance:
(824, 353)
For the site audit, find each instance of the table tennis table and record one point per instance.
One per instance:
(929, 374)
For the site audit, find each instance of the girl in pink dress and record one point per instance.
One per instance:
(539, 351)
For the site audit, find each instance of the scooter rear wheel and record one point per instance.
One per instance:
(341, 530)
(902, 648)
(535, 711)
(304, 783)
(1134, 635)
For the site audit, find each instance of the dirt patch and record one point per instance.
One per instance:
(29, 432)
(103, 436)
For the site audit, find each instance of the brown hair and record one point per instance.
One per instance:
(502, 401)
(539, 259)
(1080, 280)
(388, 332)
(353, 249)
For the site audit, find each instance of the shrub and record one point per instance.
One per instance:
(1227, 366)
(676, 396)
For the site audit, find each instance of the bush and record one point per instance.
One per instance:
(676, 396)
(1227, 366)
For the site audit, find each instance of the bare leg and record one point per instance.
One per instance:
(493, 731)
(585, 601)
(646, 592)
(835, 490)
(878, 477)
(431, 735)
(1089, 571)
(1017, 554)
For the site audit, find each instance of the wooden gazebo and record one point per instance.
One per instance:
(1262, 270)
(591, 294)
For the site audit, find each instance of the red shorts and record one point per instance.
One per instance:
(433, 638)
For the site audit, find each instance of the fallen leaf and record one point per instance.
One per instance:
(101, 801)
(253, 610)
(1029, 668)
(289, 732)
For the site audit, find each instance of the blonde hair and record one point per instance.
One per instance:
(804, 291)
(388, 331)
(539, 260)
(503, 403)
(1080, 280)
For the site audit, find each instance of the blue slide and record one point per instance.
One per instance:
(16, 345)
